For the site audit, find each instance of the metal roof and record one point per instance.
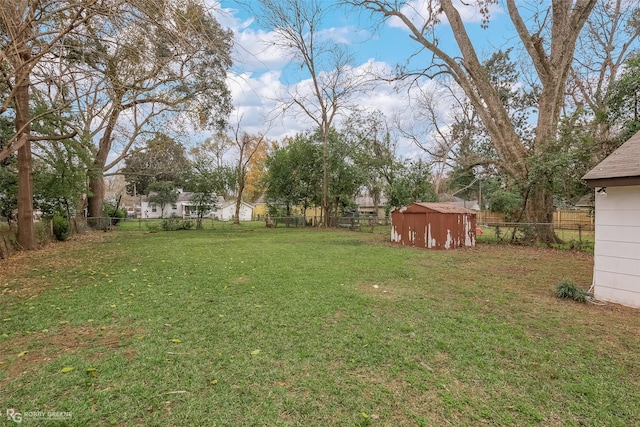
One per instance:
(436, 207)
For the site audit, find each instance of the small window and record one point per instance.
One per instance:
(153, 208)
(174, 206)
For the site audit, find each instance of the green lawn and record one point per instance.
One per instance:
(244, 325)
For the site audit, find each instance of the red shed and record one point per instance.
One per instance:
(433, 225)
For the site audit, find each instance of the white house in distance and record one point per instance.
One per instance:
(227, 211)
(616, 180)
(183, 208)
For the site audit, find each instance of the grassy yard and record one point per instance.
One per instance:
(240, 326)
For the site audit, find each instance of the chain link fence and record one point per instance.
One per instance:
(570, 235)
(579, 236)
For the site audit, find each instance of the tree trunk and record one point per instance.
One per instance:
(236, 218)
(538, 211)
(26, 236)
(241, 178)
(375, 196)
(95, 200)
(325, 214)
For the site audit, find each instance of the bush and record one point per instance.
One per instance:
(42, 231)
(115, 215)
(174, 224)
(61, 227)
(566, 289)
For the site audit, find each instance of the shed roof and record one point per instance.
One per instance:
(436, 207)
(619, 167)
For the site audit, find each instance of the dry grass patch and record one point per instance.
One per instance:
(25, 354)
(25, 274)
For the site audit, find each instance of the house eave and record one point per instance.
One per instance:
(613, 182)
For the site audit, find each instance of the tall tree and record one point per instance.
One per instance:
(31, 33)
(161, 159)
(162, 193)
(411, 185)
(609, 39)
(459, 142)
(549, 43)
(256, 172)
(294, 174)
(247, 146)
(346, 177)
(328, 65)
(624, 100)
(202, 181)
(210, 156)
(375, 153)
(156, 62)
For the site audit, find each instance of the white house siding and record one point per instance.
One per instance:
(227, 211)
(148, 210)
(617, 247)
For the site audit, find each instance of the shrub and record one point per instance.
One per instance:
(153, 227)
(61, 227)
(566, 289)
(174, 224)
(42, 231)
(115, 215)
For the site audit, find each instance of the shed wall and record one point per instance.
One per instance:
(433, 230)
(617, 246)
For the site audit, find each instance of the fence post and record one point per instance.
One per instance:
(580, 233)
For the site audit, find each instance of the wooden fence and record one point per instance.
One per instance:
(568, 220)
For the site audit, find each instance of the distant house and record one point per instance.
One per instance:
(226, 211)
(585, 203)
(616, 181)
(366, 206)
(260, 210)
(183, 208)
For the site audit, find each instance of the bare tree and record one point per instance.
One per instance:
(247, 146)
(609, 37)
(549, 42)
(434, 125)
(139, 59)
(157, 63)
(33, 32)
(333, 82)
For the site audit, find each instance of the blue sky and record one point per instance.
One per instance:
(260, 72)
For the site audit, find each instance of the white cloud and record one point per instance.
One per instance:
(340, 35)
(257, 105)
(259, 83)
(258, 49)
(254, 49)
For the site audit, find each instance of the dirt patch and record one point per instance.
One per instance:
(25, 353)
(239, 280)
(24, 263)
